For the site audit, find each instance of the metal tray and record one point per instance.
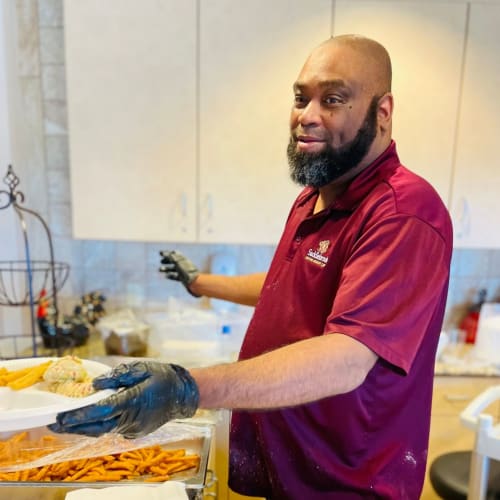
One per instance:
(195, 481)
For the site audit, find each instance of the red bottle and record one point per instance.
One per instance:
(471, 320)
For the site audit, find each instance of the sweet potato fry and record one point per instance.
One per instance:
(159, 465)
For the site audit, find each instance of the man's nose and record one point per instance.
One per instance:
(311, 114)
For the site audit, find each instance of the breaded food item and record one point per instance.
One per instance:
(66, 368)
(67, 376)
(73, 389)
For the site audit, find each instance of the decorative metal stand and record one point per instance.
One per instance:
(38, 275)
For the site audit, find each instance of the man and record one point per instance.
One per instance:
(331, 395)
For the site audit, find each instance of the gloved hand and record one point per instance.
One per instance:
(179, 268)
(153, 393)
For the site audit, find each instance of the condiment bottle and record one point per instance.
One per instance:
(470, 321)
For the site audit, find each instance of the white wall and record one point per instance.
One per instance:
(10, 318)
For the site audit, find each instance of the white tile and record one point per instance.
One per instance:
(102, 280)
(60, 219)
(28, 40)
(57, 151)
(69, 250)
(50, 13)
(53, 82)
(474, 263)
(131, 256)
(99, 255)
(51, 46)
(55, 117)
(73, 288)
(58, 186)
(32, 154)
(494, 268)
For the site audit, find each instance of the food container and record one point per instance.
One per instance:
(195, 438)
(124, 335)
(487, 346)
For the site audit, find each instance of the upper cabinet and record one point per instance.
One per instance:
(178, 116)
(178, 111)
(425, 41)
(131, 78)
(476, 183)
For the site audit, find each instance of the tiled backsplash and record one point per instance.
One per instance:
(128, 271)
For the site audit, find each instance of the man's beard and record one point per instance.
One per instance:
(319, 169)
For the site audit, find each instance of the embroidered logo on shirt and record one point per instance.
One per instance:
(317, 256)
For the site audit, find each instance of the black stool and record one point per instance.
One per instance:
(449, 475)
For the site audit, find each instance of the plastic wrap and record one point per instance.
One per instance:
(64, 447)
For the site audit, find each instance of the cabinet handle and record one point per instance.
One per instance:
(183, 208)
(462, 218)
(207, 212)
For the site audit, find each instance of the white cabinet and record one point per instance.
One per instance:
(250, 55)
(425, 41)
(476, 183)
(131, 78)
(178, 111)
(178, 119)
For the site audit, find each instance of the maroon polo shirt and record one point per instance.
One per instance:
(374, 265)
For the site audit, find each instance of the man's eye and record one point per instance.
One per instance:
(332, 99)
(299, 101)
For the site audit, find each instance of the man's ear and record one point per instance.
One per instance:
(384, 111)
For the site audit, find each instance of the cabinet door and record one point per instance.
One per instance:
(476, 186)
(425, 41)
(131, 77)
(250, 55)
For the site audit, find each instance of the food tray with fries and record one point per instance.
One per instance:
(32, 456)
(38, 458)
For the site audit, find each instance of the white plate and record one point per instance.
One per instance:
(34, 407)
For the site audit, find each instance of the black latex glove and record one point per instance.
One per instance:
(179, 268)
(152, 393)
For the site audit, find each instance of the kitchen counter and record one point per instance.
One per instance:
(459, 360)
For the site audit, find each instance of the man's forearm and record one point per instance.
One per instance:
(243, 289)
(295, 374)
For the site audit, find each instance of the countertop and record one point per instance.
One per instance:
(459, 360)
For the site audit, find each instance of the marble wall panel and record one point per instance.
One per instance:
(54, 82)
(58, 186)
(28, 38)
(55, 117)
(57, 152)
(50, 13)
(51, 46)
(131, 257)
(60, 219)
(99, 255)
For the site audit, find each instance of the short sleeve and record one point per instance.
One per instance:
(391, 288)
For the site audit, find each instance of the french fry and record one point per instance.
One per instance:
(15, 374)
(34, 375)
(152, 463)
(24, 377)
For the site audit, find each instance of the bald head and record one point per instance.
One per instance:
(373, 58)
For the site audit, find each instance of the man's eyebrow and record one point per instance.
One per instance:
(337, 84)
